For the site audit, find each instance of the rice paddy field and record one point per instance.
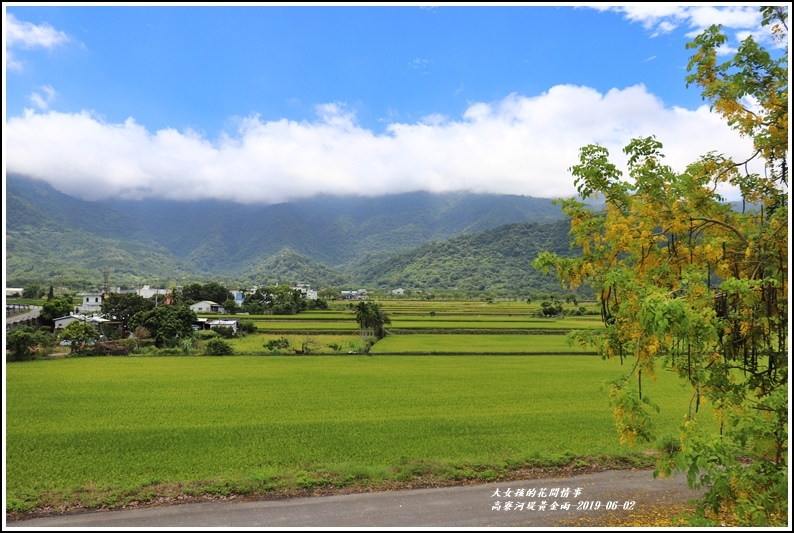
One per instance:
(459, 400)
(103, 430)
(476, 344)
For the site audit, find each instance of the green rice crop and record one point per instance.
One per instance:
(472, 307)
(306, 315)
(496, 323)
(306, 325)
(97, 429)
(485, 344)
(253, 344)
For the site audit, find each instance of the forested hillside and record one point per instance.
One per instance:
(497, 261)
(400, 240)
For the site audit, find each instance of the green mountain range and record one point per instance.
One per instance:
(464, 241)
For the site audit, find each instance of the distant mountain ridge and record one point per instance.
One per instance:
(499, 259)
(323, 240)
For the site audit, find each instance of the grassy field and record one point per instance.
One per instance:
(320, 344)
(306, 325)
(470, 307)
(495, 323)
(107, 430)
(429, 315)
(477, 344)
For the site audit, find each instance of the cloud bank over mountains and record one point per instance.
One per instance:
(517, 145)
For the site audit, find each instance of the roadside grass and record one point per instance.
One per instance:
(106, 431)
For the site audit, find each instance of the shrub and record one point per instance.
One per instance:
(276, 344)
(206, 334)
(218, 347)
(335, 346)
(248, 326)
(115, 347)
(224, 331)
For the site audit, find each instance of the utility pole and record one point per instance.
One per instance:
(106, 277)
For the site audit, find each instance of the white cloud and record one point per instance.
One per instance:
(43, 101)
(734, 17)
(20, 34)
(29, 35)
(518, 145)
(660, 18)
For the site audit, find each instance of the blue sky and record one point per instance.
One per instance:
(270, 103)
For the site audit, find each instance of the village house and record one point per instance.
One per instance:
(206, 306)
(100, 324)
(206, 323)
(91, 302)
(308, 292)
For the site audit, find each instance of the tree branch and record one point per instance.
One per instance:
(725, 225)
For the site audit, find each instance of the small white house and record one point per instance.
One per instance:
(12, 293)
(91, 302)
(398, 292)
(307, 291)
(206, 306)
(96, 321)
(233, 323)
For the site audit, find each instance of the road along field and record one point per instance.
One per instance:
(105, 431)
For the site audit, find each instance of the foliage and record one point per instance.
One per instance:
(25, 343)
(33, 291)
(316, 304)
(212, 292)
(248, 326)
(188, 344)
(689, 283)
(551, 308)
(308, 345)
(282, 343)
(56, 308)
(122, 307)
(141, 333)
(116, 347)
(45, 342)
(20, 342)
(493, 261)
(224, 331)
(230, 306)
(371, 319)
(166, 324)
(53, 235)
(206, 334)
(328, 294)
(79, 335)
(218, 347)
(276, 300)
